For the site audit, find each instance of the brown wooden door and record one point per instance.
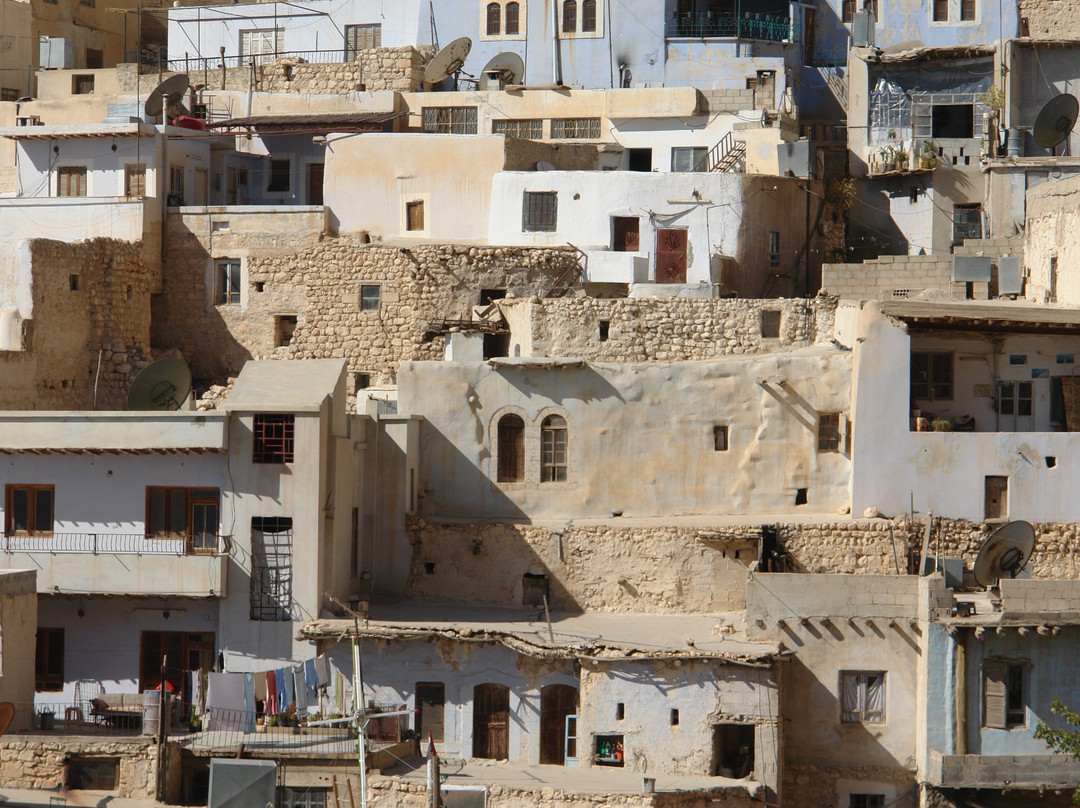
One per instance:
(626, 238)
(430, 707)
(491, 722)
(671, 256)
(556, 702)
(315, 183)
(997, 497)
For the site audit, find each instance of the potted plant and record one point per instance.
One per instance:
(928, 157)
(902, 158)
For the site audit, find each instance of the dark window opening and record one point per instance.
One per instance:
(494, 19)
(535, 589)
(95, 58)
(429, 567)
(273, 438)
(182, 652)
(361, 381)
(430, 710)
(569, 16)
(952, 121)
(770, 324)
(73, 283)
(931, 376)
(732, 750)
(49, 660)
(271, 568)
(540, 211)
(967, 10)
(639, 159)
(828, 432)
(96, 774)
(284, 328)
(511, 449)
(774, 248)
(496, 345)
(279, 177)
(82, 84)
(866, 801)
(626, 235)
(620, 711)
(1051, 461)
(189, 514)
(604, 330)
(800, 496)
(720, 438)
(588, 16)
(674, 718)
(513, 18)
(489, 296)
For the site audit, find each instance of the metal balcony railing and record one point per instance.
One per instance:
(188, 64)
(716, 25)
(113, 544)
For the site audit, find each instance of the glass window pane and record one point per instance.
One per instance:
(43, 510)
(177, 512)
(20, 510)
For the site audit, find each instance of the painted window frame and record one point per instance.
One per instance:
(81, 170)
(505, 32)
(359, 36)
(572, 19)
(858, 684)
(540, 212)
(31, 517)
(228, 281)
(273, 438)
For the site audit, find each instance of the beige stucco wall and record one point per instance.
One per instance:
(1053, 218)
(18, 626)
(19, 47)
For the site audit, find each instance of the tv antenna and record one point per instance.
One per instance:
(162, 385)
(448, 62)
(1055, 121)
(166, 96)
(1005, 553)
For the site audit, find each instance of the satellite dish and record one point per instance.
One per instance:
(508, 66)
(167, 94)
(1055, 120)
(447, 61)
(7, 714)
(1004, 553)
(163, 385)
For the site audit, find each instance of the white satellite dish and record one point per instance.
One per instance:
(1005, 553)
(449, 61)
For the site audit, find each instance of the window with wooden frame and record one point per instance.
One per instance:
(1004, 694)
(828, 434)
(720, 438)
(191, 514)
(182, 651)
(967, 10)
(513, 19)
(49, 660)
(494, 19)
(82, 84)
(941, 10)
(135, 179)
(511, 449)
(414, 215)
(367, 36)
(931, 376)
(540, 211)
(30, 510)
(588, 16)
(273, 438)
(9, 94)
(569, 16)
(866, 801)
(553, 455)
(71, 181)
(862, 697)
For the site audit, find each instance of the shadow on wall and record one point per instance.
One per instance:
(870, 217)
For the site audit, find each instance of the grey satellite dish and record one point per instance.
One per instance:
(448, 61)
(1055, 120)
(163, 385)
(167, 94)
(1004, 553)
(507, 66)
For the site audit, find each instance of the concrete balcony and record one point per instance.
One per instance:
(118, 564)
(74, 217)
(608, 266)
(1003, 771)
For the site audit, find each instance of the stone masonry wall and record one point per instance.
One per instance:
(812, 784)
(673, 329)
(1050, 18)
(90, 330)
(318, 281)
(674, 569)
(400, 793)
(400, 69)
(37, 761)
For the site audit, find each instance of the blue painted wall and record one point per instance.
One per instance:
(1052, 673)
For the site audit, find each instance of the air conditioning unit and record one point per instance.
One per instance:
(56, 53)
(862, 29)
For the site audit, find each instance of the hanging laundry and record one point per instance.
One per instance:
(249, 702)
(290, 686)
(260, 686)
(300, 688)
(322, 670)
(225, 702)
(282, 693)
(271, 693)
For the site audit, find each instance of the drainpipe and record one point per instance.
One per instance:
(556, 56)
(251, 85)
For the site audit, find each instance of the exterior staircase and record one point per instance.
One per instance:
(727, 155)
(836, 80)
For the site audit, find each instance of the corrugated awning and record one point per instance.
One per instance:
(324, 123)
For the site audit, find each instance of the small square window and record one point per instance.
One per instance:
(414, 215)
(95, 774)
(370, 294)
(828, 432)
(73, 283)
(274, 436)
(540, 211)
(284, 328)
(280, 177)
(862, 697)
(689, 158)
(361, 381)
(866, 801)
(82, 84)
(720, 438)
(770, 324)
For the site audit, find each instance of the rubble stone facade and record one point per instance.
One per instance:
(38, 761)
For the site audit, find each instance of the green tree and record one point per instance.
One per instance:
(1062, 741)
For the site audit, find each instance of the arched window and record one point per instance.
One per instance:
(511, 448)
(588, 16)
(553, 434)
(569, 16)
(513, 19)
(494, 18)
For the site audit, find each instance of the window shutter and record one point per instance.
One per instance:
(994, 694)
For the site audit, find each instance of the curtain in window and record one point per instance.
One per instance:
(850, 696)
(875, 698)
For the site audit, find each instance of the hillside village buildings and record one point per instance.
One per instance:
(635, 383)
